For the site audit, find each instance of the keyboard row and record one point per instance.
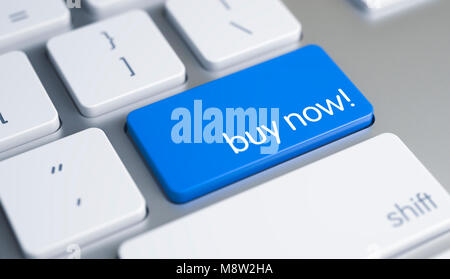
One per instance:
(204, 24)
(373, 200)
(110, 64)
(116, 62)
(76, 190)
(305, 114)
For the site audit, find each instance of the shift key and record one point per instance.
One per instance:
(372, 200)
(223, 131)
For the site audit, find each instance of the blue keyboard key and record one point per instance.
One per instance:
(223, 131)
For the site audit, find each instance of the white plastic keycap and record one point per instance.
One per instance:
(372, 200)
(26, 111)
(226, 32)
(115, 62)
(68, 193)
(25, 21)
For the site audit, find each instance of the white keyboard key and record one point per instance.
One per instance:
(225, 32)
(25, 21)
(69, 192)
(115, 62)
(102, 8)
(374, 199)
(26, 111)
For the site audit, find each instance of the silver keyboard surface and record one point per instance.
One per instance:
(400, 61)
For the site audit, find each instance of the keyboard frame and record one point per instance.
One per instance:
(399, 62)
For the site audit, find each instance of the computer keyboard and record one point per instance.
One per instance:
(93, 120)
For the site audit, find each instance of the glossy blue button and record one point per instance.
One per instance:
(223, 131)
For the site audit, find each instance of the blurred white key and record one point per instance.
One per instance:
(115, 62)
(382, 5)
(26, 111)
(226, 32)
(101, 8)
(29, 21)
(372, 200)
(68, 193)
